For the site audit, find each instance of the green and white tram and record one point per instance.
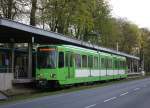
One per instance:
(67, 64)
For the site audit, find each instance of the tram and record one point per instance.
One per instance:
(67, 64)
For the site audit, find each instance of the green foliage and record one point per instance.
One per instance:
(14, 9)
(110, 33)
(76, 17)
(145, 48)
(87, 20)
(130, 37)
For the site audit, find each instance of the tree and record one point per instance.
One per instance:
(33, 12)
(111, 33)
(130, 37)
(7, 9)
(14, 9)
(144, 48)
(74, 17)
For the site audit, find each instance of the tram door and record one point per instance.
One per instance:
(69, 64)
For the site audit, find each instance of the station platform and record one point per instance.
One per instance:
(23, 80)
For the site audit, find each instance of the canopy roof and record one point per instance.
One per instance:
(12, 31)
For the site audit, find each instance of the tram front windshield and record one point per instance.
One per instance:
(47, 59)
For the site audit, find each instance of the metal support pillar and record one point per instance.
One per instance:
(130, 65)
(30, 60)
(143, 65)
(137, 66)
(12, 58)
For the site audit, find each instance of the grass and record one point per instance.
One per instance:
(42, 93)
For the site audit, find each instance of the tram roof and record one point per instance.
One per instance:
(12, 31)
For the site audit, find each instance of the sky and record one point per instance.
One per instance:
(136, 11)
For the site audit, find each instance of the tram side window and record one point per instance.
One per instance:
(84, 61)
(106, 62)
(121, 64)
(116, 64)
(90, 61)
(61, 59)
(102, 62)
(96, 62)
(71, 59)
(67, 59)
(124, 64)
(109, 63)
(78, 60)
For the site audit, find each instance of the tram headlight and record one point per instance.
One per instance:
(53, 75)
(40, 76)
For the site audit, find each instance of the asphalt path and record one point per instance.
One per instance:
(132, 94)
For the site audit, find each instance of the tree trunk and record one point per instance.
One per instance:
(32, 14)
(9, 14)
